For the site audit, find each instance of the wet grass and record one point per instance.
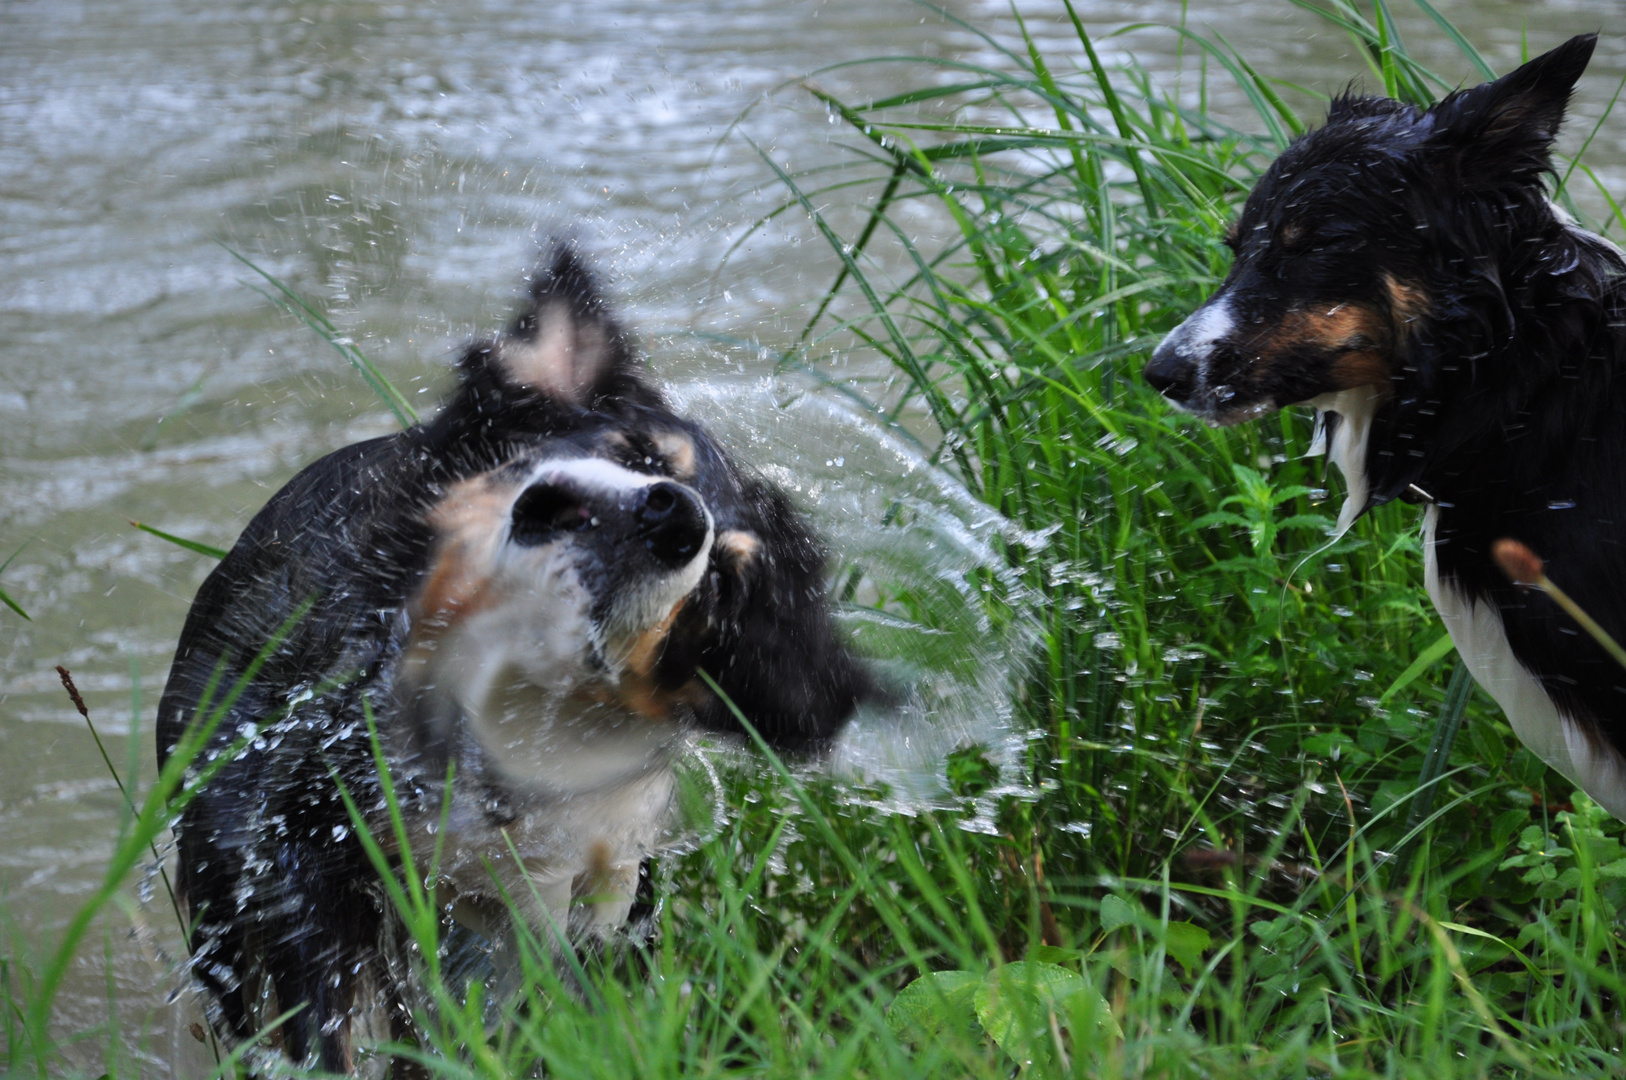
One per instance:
(1263, 827)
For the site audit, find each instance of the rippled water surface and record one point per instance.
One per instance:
(401, 162)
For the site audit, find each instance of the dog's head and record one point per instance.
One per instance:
(1360, 234)
(579, 586)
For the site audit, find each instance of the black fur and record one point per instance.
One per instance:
(1494, 330)
(277, 884)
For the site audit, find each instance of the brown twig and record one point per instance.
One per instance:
(73, 691)
(1523, 567)
(1049, 929)
(1047, 917)
(79, 703)
(1202, 860)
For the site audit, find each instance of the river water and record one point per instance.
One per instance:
(402, 162)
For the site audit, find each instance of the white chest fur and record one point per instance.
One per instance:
(1476, 630)
(565, 861)
(1355, 408)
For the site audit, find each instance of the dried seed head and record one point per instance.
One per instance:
(1518, 562)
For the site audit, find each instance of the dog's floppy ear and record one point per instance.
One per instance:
(566, 345)
(779, 659)
(1508, 126)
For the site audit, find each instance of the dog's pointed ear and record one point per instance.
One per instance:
(1350, 104)
(1508, 126)
(565, 345)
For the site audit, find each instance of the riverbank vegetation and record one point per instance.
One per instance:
(1261, 826)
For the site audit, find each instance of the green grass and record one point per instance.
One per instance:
(1263, 833)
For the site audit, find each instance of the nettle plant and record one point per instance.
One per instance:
(1579, 869)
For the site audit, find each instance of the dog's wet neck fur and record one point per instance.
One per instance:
(1442, 421)
(1498, 399)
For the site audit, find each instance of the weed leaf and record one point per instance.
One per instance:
(1017, 1004)
(1115, 913)
(1186, 942)
(934, 1003)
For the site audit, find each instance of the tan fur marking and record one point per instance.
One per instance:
(738, 546)
(1408, 303)
(604, 882)
(648, 700)
(467, 523)
(1232, 231)
(596, 882)
(636, 689)
(644, 651)
(1336, 327)
(1356, 331)
(564, 360)
(678, 450)
(1361, 369)
(651, 701)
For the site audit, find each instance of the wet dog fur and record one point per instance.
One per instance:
(1404, 271)
(525, 589)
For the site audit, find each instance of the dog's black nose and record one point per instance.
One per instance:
(1169, 373)
(544, 512)
(670, 521)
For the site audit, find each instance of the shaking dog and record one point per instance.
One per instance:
(521, 594)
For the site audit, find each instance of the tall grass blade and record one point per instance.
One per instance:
(167, 797)
(180, 541)
(1438, 758)
(4, 597)
(1426, 659)
(308, 313)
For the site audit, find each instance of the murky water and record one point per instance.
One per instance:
(401, 161)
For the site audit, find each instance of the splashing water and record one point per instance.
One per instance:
(930, 596)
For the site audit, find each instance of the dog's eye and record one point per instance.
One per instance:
(1293, 235)
(544, 511)
(639, 453)
(1341, 244)
(1233, 237)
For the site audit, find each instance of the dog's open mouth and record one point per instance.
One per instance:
(1240, 414)
(1218, 407)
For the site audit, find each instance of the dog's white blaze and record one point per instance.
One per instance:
(1356, 408)
(1476, 630)
(1194, 338)
(607, 476)
(1206, 326)
(637, 609)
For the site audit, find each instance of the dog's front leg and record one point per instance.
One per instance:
(603, 892)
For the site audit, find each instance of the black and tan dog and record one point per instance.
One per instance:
(1404, 271)
(522, 591)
